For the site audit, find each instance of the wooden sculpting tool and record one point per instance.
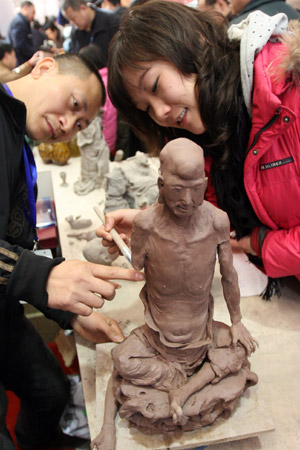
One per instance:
(115, 235)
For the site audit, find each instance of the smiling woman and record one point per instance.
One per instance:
(164, 69)
(177, 71)
(166, 95)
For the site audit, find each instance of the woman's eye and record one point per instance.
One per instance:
(75, 102)
(154, 87)
(78, 125)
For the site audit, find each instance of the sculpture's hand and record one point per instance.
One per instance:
(80, 286)
(106, 439)
(97, 328)
(240, 333)
(121, 220)
(177, 399)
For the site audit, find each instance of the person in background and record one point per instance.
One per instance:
(114, 6)
(295, 4)
(236, 93)
(109, 118)
(241, 8)
(38, 35)
(90, 25)
(221, 6)
(60, 96)
(20, 32)
(53, 34)
(8, 61)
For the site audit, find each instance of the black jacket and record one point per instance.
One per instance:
(103, 28)
(20, 36)
(23, 274)
(270, 7)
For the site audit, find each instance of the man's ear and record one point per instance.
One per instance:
(45, 65)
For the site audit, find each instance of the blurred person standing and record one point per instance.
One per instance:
(90, 25)
(38, 35)
(113, 6)
(54, 34)
(221, 6)
(20, 32)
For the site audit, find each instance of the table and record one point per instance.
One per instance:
(275, 324)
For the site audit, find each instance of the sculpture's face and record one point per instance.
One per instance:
(183, 195)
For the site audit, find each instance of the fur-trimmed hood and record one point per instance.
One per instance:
(291, 39)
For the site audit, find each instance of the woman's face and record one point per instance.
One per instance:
(168, 96)
(51, 34)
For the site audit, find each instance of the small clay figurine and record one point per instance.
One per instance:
(132, 184)
(93, 250)
(63, 176)
(78, 223)
(94, 157)
(181, 370)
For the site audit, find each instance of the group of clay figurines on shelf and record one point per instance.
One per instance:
(181, 370)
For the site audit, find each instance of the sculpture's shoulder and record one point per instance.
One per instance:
(145, 220)
(219, 220)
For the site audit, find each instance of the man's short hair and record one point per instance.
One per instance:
(74, 4)
(78, 65)
(26, 3)
(5, 47)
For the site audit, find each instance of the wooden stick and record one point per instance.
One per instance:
(115, 235)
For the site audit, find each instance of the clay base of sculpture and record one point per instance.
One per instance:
(148, 407)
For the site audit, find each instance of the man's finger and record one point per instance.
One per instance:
(113, 331)
(116, 273)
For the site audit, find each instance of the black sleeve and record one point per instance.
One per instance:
(23, 275)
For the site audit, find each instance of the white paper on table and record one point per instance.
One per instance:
(251, 280)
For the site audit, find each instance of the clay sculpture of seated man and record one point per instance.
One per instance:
(181, 369)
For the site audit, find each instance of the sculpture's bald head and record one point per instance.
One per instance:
(182, 182)
(182, 157)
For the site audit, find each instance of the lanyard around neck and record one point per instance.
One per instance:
(31, 177)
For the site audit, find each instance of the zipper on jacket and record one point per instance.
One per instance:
(264, 128)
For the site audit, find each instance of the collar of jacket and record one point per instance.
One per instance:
(270, 117)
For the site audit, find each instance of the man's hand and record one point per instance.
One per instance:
(80, 286)
(97, 328)
(240, 333)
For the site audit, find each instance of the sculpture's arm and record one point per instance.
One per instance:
(229, 281)
(139, 241)
(106, 439)
(231, 293)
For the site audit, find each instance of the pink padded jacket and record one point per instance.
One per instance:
(272, 166)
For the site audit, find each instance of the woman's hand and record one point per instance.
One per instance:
(243, 244)
(121, 220)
